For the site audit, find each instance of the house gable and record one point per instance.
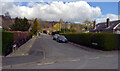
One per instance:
(117, 27)
(102, 27)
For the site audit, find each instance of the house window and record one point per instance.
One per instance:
(117, 32)
(117, 29)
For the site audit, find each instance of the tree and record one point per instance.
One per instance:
(20, 24)
(82, 27)
(57, 27)
(88, 24)
(60, 24)
(36, 26)
(71, 26)
(44, 26)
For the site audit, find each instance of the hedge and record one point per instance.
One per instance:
(13, 37)
(103, 41)
(7, 39)
(0, 42)
(20, 37)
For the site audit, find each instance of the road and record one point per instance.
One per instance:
(65, 56)
(35, 54)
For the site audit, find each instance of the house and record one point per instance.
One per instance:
(106, 27)
(5, 22)
(67, 25)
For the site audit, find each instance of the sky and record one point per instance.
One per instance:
(106, 7)
(72, 11)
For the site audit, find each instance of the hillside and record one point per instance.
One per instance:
(6, 23)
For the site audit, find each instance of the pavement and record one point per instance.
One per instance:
(62, 56)
(34, 53)
(24, 49)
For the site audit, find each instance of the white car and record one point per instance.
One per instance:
(55, 36)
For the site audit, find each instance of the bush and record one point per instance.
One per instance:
(0, 43)
(57, 32)
(13, 37)
(31, 34)
(68, 30)
(103, 41)
(7, 39)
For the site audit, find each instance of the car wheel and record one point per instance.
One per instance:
(53, 38)
(59, 41)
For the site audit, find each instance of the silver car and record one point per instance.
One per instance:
(62, 39)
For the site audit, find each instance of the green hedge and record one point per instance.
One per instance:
(7, 39)
(103, 41)
(0, 43)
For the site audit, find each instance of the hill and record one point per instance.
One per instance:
(7, 22)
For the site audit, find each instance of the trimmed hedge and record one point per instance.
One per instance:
(7, 40)
(13, 37)
(0, 42)
(20, 37)
(57, 32)
(103, 41)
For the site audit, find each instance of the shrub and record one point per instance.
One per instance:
(0, 43)
(31, 34)
(103, 41)
(68, 30)
(13, 37)
(7, 39)
(56, 32)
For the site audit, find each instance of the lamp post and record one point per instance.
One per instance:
(64, 27)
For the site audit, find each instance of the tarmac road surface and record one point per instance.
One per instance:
(67, 56)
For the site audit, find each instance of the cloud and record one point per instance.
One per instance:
(69, 11)
(5, 6)
(103, 18)
(58, 0)
(22, 0)
(7, 0)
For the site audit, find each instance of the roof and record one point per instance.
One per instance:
(103, 26)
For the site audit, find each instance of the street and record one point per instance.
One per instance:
(62, 56)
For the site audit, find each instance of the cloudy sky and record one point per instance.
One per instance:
(73, 11)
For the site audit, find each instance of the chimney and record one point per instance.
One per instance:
(94, 24)
(108, 22)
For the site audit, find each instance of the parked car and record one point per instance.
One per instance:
(62, 39)
(55, 36)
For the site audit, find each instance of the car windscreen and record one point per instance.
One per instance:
(61, 37)
(56, 34)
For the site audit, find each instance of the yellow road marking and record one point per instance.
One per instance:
(42, 45)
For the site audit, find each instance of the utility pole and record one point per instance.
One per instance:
(60, 23)
(64, 27)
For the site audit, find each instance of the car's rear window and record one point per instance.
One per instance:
(62, 37)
